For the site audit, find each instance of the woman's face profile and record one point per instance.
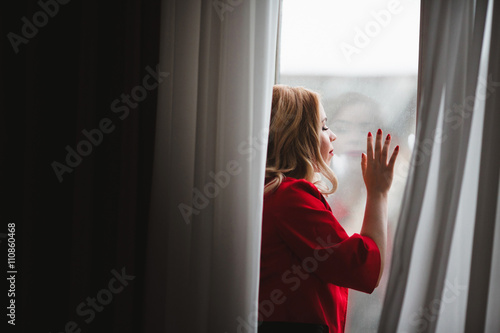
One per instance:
(326, 137)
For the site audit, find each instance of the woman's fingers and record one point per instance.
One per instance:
(377, 171)
(376, 150)
(385, 149)
(392, 161)
(363, 163)
(378, 145)
(369, 146)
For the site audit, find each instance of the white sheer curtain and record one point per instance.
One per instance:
(211, 140)
(445, 268)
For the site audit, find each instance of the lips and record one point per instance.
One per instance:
(331, 152)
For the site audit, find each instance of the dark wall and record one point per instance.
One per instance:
(76, 231)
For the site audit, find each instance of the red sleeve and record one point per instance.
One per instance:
(313, 234)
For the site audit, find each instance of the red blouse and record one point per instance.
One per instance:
(308, 261)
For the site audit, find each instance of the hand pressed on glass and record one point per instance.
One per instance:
(377, 170)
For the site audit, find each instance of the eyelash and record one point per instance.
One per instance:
(325, 128)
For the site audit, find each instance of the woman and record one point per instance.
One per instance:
(307, 259)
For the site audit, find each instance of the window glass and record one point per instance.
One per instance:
(362, 57)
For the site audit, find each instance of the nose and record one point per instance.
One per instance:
(333, 137)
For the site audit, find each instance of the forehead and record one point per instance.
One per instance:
(322, 114)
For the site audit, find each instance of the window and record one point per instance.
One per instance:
(362, 57)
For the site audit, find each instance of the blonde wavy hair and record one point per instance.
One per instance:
(294, 140)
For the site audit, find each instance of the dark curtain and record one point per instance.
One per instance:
(76, 233)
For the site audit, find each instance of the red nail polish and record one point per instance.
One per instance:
(397, 148)
(388, 137)
(379, 131)
(369, 133)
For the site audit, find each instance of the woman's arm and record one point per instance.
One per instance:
(302, 221)
(377, 174)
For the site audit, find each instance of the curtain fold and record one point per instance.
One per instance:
(208, 179)
(482, 276)
(429, 285)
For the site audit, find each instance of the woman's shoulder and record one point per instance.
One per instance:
(294, 182)
(291, 187)
(294, 192)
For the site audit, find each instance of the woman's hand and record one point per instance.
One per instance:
(377, 174)
(377, 171)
